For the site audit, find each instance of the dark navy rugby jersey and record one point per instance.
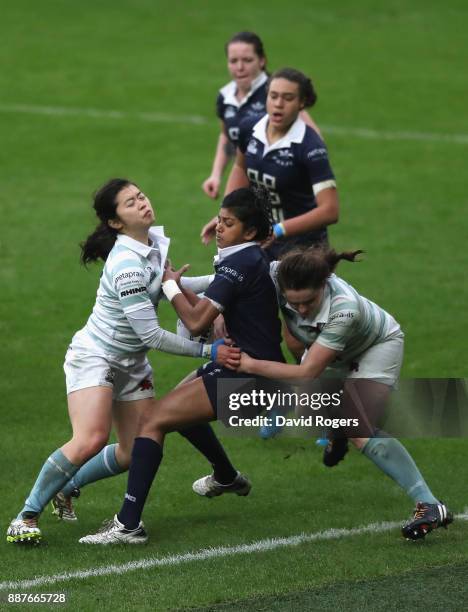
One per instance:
(232, 112)
(243, 287)
(289, 168)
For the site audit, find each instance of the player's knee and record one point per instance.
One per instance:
(91, 445)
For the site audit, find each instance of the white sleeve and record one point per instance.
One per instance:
(145, 324)
(197, 284)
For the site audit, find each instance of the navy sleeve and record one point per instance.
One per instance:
(219, 106)
(314, 156)
(229, 280)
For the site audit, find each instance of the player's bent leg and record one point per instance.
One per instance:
(184, 406)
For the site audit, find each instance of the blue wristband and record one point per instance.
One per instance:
(214, 348)
(278, 230)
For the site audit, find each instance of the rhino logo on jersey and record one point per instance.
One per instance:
(230, 112)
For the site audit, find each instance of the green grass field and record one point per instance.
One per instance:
(100, 89)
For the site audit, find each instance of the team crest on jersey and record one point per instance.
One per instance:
(230, 112)
(252, 147)
(258, 107)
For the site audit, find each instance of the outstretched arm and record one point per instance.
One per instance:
(317, 359)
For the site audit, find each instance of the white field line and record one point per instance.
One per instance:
(148, 117)
(204, 554)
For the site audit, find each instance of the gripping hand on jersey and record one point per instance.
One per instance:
(227, 356)
(171, 274)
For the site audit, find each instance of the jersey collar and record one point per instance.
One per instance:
(159, 242)
(294, 134)
(227, 251)
(229, 91)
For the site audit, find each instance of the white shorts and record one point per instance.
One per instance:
(130, 377)
(381, 362)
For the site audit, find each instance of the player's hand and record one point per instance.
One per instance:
(211, 187)
(246, 363)
(171, 274)
(219, 328)
(228, 356)
(208, 231)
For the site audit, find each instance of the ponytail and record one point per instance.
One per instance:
(99, 244)
(310, 268)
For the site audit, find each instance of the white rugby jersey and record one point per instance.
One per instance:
(346, 322)
(131, 282)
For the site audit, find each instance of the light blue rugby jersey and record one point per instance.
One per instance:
(131, 279)
(347, 322)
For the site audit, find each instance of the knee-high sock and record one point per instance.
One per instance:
(204, 439)
(392, 458)
(55, 472)
(146, 458)
(102, 465)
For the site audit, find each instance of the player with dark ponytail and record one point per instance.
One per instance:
(244, 292)
(352, 340)
(108, 375)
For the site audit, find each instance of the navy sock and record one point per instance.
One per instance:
(204, 439)
(146, 458)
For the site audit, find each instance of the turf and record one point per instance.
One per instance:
(392, 107)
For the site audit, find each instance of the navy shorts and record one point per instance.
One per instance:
(222, 385)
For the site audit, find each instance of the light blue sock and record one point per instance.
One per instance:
(102, 465)
(392, 458)
(55, 472)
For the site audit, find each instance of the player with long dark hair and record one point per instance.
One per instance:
(108, 375)
(244, 292)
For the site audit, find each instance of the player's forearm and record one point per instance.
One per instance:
(195, 318)
(237, 179)
(221, 158)
(326, 213)
(275, 369)
(145, 324)
(197, 284)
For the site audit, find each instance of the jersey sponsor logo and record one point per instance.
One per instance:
(132, 291)
(252, 147)
(127, 275)
(320, 152)
(342, 315)
(230, 112)
(230, 272)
